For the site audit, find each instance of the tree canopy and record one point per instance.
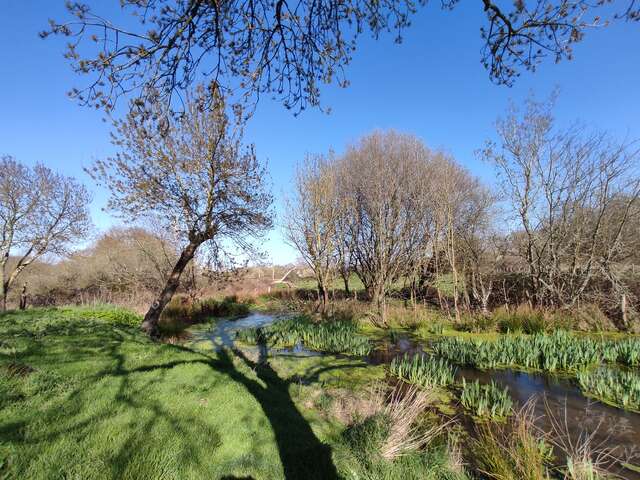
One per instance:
(289, 49)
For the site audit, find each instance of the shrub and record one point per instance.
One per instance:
(176, 316)
(229, 306)
(181, 312)
(590, 318)
(487, 400)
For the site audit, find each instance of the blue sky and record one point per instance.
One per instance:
(431, 85)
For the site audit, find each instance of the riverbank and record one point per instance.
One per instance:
(85, 395)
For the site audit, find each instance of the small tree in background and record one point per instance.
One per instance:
(312, 219)
(193, 173)
(41, 212)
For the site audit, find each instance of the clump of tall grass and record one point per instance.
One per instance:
(476, 323)
(486, 400)
(515, 450)
(327, 336)
(422, 370)
(521, 319)
(398, 440)
(614, 386)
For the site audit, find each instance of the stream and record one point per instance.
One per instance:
(609, 427)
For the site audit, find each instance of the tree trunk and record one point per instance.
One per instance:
(3, 290)
(323, 297)
(23, 297)
(345, 279)
(150, 322)
(378, 294)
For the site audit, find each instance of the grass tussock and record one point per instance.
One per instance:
(400, 440)
(515, 450)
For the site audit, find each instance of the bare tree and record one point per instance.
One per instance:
(460, 206)
(574, 194)
(384, 177)
(287, 49)
(312, 217)
(41, 213)
(193, 174)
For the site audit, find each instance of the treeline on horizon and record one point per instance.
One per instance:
(558, 230)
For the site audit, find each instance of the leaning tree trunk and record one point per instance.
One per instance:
(150, 322)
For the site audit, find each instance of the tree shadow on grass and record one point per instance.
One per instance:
(302, 454)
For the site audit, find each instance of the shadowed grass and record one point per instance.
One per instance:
(86, 397)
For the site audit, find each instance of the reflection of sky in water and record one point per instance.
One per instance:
(224, 332)
(613, 427)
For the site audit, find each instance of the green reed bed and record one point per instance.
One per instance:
(559, 351)
(627, 352)
(423, 370)
(330, 337)
(486, 400)
(613, 386)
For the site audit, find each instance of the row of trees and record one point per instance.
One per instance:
(561, 227)
(387, 210)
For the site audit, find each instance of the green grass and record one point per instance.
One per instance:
(87, 396)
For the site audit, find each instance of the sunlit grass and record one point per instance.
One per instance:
(87, 397)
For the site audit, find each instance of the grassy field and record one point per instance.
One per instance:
(84, 397)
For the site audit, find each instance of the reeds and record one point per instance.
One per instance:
(613, 386)
(327, 336)
(515, 450)
(422, 370)
(486, 400)
(559, 351)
